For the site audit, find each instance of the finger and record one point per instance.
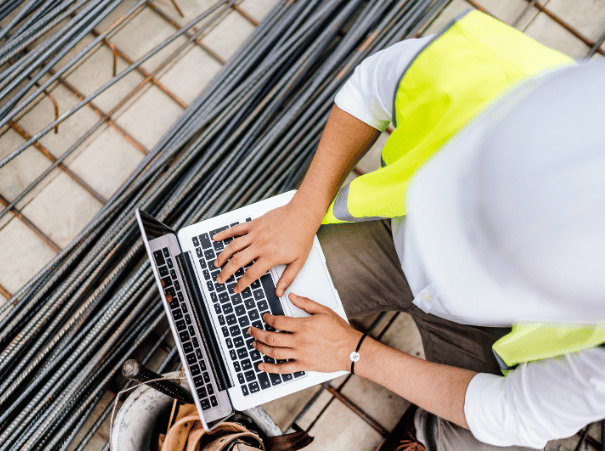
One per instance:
(307, 304)
(235, 246)
(285, 323)
(254, 272)
(280, 368)
(238, 230)
(276, 353)
(238, 260)
(288, 277)
(273, 339)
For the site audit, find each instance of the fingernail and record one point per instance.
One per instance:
(249, 331)
(236, 290)
(216, 263)
(214, 237)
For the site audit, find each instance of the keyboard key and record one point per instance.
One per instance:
(169, 263)
(263, 378)
(207, 380)
(227, 308)
(274, 302)
(299, 374)
(250, 376)
(181, 300)
(240, 310)
(230, 287)
(184, 335)
(195, 343)
(234, 330)
(205, 241)
(237, 367)
(191, 331)
(244, 322)
(198, 381)
(275, 379)
(225, 331)
(248, 219)
(220, 288)
(195, 241)
(236, 299)
(214, 273)
(199, 252)
(223, 297)
(233, 354)
(253, 314)
(239, 273)
(253, 386)
(167, 282)
(250, 303)
(187, 319)
(213, 401)
(286, 377)
(210, 285)
(247, 293)
(258, 325)
(206, 274)
(177, 314)
(229, 343)
(209, 255)
(166, 253)
(240, 378)
(187, 347)
(195, 370)
(173, 274)
(268, 359)
(217, 309)
(242, 353)
(249, 343)
(221, 320)
(238, 342)
(245, 391)
(214, 297)
(218, 246)
(258, 295)
(254, 285)
(233, 225)
(205, 404)
(198, 353)
(159, 258)
(203, 263)
(246, 364)
(201, 392)
(163, 271)
(231, 320)
(255, 355)
(191, 359)
(262, 306)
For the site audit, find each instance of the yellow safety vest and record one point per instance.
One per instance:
(460, 73)
(455, 77)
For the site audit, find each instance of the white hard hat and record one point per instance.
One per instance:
(513, 208)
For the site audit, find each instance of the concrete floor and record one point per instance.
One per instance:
(47, 219)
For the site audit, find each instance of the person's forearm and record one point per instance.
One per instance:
(439, 389)
(344, 140)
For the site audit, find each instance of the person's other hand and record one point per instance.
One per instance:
(320, 342)
(281, 236)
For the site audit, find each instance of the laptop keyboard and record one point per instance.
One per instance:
(238, 311)
(182, 320)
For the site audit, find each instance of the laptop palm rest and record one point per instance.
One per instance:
(311, 282)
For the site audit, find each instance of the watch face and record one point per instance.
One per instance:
(354, 356)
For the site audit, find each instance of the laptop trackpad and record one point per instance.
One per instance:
(312, 282)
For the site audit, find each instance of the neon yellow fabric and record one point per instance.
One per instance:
(457, 76)
(530, 342)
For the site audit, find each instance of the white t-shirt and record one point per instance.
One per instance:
(537, 402)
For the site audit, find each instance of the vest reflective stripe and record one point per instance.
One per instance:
(460, 73)
(531, 342)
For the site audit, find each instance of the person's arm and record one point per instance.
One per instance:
(324, 341)
(363, 108)
(285, 235)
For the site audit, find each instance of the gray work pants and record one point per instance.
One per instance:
(368, 276)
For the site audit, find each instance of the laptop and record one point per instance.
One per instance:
(210, 322)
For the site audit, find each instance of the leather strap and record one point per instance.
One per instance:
(288, 442)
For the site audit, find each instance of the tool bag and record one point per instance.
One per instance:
(188, 434)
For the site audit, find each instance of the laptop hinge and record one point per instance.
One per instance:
(200, 311)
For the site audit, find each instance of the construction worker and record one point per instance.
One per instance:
(503, 226)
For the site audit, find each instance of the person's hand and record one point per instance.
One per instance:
(281, 236)
(321, 342)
